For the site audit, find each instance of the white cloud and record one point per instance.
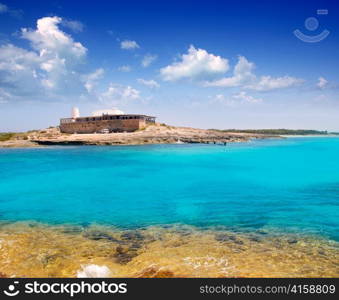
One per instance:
(244, 77)
(148, 60)
(242, 74)
(18, 71)
(118, 94)
(4, 96)
(197, 63)
(128, 45)
(12, 12)
(53, 69)
(267, 83)
(75, 26)
(3, 8)
(243, 96)
(92, 78)
(13, 58)
(150, 83)
(235, 99)
(221, 99)
(50, 69)
(49, 40)
(58, 52)
(125, 68)
(322, 83)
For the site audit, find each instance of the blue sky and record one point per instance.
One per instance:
(207, 64)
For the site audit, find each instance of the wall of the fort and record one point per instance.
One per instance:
(96, 126)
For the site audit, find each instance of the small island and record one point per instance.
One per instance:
(152, 134)
(114, 127)
(157, 133)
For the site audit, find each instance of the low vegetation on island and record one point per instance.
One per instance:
(5, 136)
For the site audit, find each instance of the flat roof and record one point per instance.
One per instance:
(108, 115)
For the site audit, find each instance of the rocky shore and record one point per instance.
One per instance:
(182, 251)
(154, 134)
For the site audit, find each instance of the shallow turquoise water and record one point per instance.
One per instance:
(286, 185)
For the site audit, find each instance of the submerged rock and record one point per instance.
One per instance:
(255, 239)
(72, 230)
(135, 246)
(124, 255)
(99, 235)
(132, 235)
(224, 237)
(46, 258)
(155, 272)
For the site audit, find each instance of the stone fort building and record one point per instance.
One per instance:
(104, 121)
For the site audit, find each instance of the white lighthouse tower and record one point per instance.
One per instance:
(75, 113)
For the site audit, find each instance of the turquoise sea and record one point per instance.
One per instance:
(284, 185)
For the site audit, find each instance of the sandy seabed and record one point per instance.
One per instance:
(38, 250)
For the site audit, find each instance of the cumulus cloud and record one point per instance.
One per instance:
(49, 40)
(3, 8)
(75, 26)
(59, 54)
(244, 77)
(129, 45)
(148, 59)
(242, 74)
(197, 63)
(221, 99)
(150, 83)
(12, 12)
(243, 96)
(125, 68)
(235, 99)
(92, 79)
(118, 94)
(322, 83)
(19, 71)
(4, 96)
(51, 68)
(267, 83)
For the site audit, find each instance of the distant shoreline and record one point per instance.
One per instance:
(310, 135)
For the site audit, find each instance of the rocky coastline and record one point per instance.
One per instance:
(154, 134)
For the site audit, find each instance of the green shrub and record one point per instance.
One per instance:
(5, 136)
